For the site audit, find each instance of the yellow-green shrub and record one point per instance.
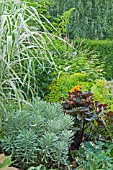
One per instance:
(103, 92)
(64, 83)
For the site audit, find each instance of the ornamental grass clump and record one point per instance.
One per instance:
(26, 49)
(23, 47)
(38, 135)
(89, 115)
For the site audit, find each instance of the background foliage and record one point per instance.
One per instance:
(90, 19)
(104, 49)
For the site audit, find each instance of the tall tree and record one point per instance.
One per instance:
(90, 19)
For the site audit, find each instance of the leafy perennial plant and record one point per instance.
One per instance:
(88, 115)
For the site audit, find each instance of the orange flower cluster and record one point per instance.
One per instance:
(76, 88)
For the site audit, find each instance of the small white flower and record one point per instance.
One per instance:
(75, 53)
(66, 68)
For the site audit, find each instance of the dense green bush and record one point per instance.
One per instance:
(82, 60)
(69, 60)
(64, 83)
(104, 48)
(44, 76)
(38, 135)
(102, 90)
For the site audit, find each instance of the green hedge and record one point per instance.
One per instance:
(104, 49)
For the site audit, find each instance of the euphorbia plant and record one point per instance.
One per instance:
(86, 113)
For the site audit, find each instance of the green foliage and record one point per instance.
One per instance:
(102, 89)
(92, 156)
(38, 135)
(86, 113)
(64, 83)
(6, 162)
(25, 49)
(70, 61)
(63, 21)
(81, 60)
(103, 92)
(90, 19)
(40, 167)
(105, 53)
(21, 45)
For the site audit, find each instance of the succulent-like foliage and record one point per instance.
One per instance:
(38, 135)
